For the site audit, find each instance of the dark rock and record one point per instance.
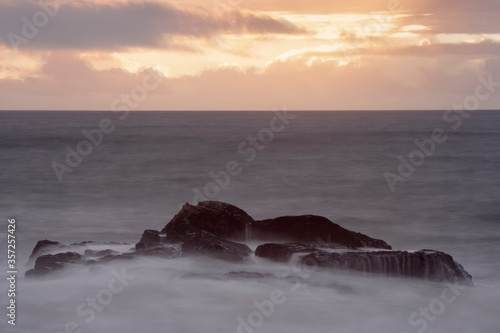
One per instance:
(243, 275)
(102, 253)
(311, 229)
(204, 243)
(283, 252)
(220, 219)
(426, 264)
(149, 238)
(49, 263)
(45, 246)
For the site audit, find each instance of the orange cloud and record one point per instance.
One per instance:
(371, 83)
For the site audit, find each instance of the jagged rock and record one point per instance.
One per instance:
(243, 275)
(311, 229)
(283, 252)
(49, 263)
(204, 243)
(220, 219)
(426, 264)
(149, 239)
(204, 230)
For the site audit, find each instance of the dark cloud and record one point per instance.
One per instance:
(131, 25)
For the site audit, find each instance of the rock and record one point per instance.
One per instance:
(102, 253)
(49, 263)
(220, 219)
(204, 243)
(45, 246)
(149, 238)
(311, 229)
(243, 275)
(426, 264)
(210, 228)
(283, 252)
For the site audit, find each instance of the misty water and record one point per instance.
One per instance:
(323, 163)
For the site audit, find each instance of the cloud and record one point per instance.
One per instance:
(383, 47)
(373, 82)
(143, 25)
(440, 16)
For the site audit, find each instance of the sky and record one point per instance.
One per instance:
(249, 54)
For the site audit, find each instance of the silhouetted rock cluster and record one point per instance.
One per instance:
(213, 229)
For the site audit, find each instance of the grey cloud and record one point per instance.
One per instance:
(131, 25)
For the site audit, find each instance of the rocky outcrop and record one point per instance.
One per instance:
(44, 247)
(205, 244)
(425, 264)
(49, 263)
(211, 229)
(150, 238)
(220, 219)
(311, 229)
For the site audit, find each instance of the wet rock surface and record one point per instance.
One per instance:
(205, 244)
(425, 264)
(218, 218)
(312, 229)
(49, 263)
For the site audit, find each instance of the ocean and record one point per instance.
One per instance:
(418, 180)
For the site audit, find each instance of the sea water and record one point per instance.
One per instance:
(333, 164)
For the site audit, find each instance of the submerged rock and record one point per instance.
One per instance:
(312, 229)
(206, 244)
(243, 275)
(426, 264)
(220, 219)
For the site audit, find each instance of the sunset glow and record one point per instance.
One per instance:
(268, 53)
